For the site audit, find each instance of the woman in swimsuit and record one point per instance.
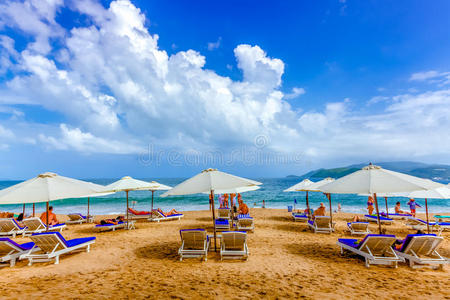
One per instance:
(370, 205)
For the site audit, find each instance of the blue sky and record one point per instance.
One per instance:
(259, 88)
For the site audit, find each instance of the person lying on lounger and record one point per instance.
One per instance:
(138, 212)
(111, 221)
(357, 219)
(399, 211)
(52, 220)
(170, 213)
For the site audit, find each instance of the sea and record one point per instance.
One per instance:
(271, 192)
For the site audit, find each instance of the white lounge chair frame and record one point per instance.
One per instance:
(370, 250)
(77, 219)
(157, 217)
(53, 247)
(233, 245)
(421, 252)
(35, 225)
(300, 219)
(196, 239)
(245, 224)
(113, 227)
(322, 224)
(14, 254)
(375, 220)
(358, 228)
(8, 227)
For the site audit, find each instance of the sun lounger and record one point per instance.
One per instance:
(395, 216)
(358, 228)
(35, 225)
(113, 227)
(223, 213)
(442, 218)
(245, 223)
(233, 245)
(77, 218)
(194, 243)
(375, 248)
(441, 226)
(419, 224)
(133, 216)
(383, 220)
(53, 244)
(420, 250)
(321, 224)
(10, 251)
(222, 224)
(159, 216)
(10, 227)
(300, 217)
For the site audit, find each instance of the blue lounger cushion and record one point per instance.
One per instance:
(311, 222)
(24, 246)
(355, 244)
(17, 224)
(222, 222)
(350, 223)
(68, 243)
(247, 216)
(57, 225)
(381, 218)
(443, 223)
(299, 215)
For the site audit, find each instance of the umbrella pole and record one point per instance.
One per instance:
(33, 209)
(426, 209)
(128, 224)
(47, 217)
(378, 212)
(307, 206)
(214, 219)
(387, 210)
(87, 216)
(151, 212)
(23, 211)
(331, 210)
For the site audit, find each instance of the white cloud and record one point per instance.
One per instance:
(296, 91)
(215, 45)
(440, 78)
(118, 91)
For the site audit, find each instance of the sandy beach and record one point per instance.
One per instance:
(286, 261)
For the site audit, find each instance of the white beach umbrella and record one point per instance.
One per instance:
(439, 193)
(48, 187)
(210, 180)
(302, 186)
(156, 186)
(236, 190)
(127, 184)
(374, 179)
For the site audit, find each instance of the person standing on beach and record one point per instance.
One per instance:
(412, 206)
(370, 207)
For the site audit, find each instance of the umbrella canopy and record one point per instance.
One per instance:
(439, 193)
(236, 190)
(374, 179)
(48, 187)
(156, 186)
(315, 187)
(210, 180)
(301, 186)
(128, 183)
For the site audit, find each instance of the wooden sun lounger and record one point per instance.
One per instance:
(321, 224)
(224, 213)
(375, 248)
(158, 216)
(10, 251)
(420, 250)
(35, 225)
(299, 217)
(358, 228)
(194, 243)
(10, 227)
(114, 227)
(233, 245)
(76, 218)
(383, 220)
(53, 245)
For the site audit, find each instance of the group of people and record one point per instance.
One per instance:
(412, 207)
(242, 208)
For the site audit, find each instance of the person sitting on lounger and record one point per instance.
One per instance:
(52, 220)
(170, 213)
(399, 211)
(111, 221)
(370, 203)
(320, 211)
(412, 206)
(243, 208)
(138, 212)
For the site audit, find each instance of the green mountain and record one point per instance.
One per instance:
(430, 171)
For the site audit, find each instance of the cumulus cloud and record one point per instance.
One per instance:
(118, 92)
(215, 45)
